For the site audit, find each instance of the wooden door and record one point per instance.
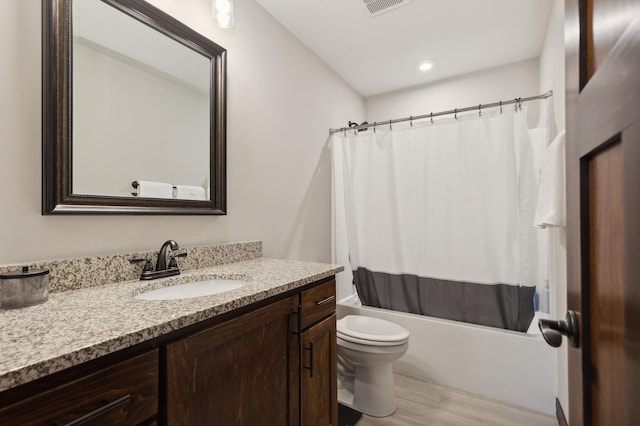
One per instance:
(602, 40)
(319, 380)
(241, 372)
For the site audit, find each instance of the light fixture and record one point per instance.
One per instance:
(223, 13)
(425, 65)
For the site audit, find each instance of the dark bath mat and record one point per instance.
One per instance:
(347, 416)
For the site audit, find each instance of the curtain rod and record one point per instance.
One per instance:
(478, 108)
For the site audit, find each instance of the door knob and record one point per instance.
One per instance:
(552, 331)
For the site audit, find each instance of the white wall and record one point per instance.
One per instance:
(281, 102)
(552, 61)
(163, 125)
(552, 76)
(506, 82)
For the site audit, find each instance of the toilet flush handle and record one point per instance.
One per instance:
(310, 366)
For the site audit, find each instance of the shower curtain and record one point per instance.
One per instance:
(438, 217)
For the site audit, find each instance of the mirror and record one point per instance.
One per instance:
(133, 112)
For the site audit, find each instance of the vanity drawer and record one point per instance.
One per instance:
(123, 394)
(317, 303)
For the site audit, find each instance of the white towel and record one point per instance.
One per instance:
(149, 189)
(188, 192)
(551, 207)
(542, 135)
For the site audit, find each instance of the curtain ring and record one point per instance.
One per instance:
(411, 120)
(500, 107)
(455, 113)
(375, 123)
(431, 118)
(390, 128)
(479, 110)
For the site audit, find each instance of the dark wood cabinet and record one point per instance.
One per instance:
(123, 394)
(241, 372)
(272, 366)
(319, 405)
(318, 344)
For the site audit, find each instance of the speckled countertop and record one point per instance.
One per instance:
(80, 325)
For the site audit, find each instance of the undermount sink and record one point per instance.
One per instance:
(192, 289)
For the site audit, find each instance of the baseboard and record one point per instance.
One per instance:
(562, 420)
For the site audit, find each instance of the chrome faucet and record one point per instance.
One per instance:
(161, 263)
(162, 268)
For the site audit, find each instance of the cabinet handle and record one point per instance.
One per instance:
(326, 300)
(310, 366)
(98, 412)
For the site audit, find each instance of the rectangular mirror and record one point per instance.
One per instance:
(133, 111)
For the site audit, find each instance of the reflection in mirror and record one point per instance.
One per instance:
(156, 90)
(147, 115)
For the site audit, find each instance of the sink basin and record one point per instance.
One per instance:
(192, 289)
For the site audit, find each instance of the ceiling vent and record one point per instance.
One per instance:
(376, 7)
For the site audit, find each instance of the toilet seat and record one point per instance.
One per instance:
(371, 331)
(367, 349)
(370, 345)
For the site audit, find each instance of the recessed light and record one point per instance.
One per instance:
(425, 65)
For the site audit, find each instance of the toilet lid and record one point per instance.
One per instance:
(371, 329)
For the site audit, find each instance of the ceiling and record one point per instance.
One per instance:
(381, 53)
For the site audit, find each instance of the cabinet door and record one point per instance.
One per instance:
(318, 374)
(123, 394)
(241, 372)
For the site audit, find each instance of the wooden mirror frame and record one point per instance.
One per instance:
(57, 190)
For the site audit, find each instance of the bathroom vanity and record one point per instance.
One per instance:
(261, 354)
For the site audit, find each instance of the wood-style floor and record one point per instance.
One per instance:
(426, 404)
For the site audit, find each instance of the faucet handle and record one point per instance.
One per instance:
(172, 259)
(147, 264)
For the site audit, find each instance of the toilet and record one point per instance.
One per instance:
(367, 348)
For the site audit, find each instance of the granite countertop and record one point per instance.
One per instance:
(76, 326)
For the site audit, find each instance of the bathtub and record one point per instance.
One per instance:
(513, 367)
